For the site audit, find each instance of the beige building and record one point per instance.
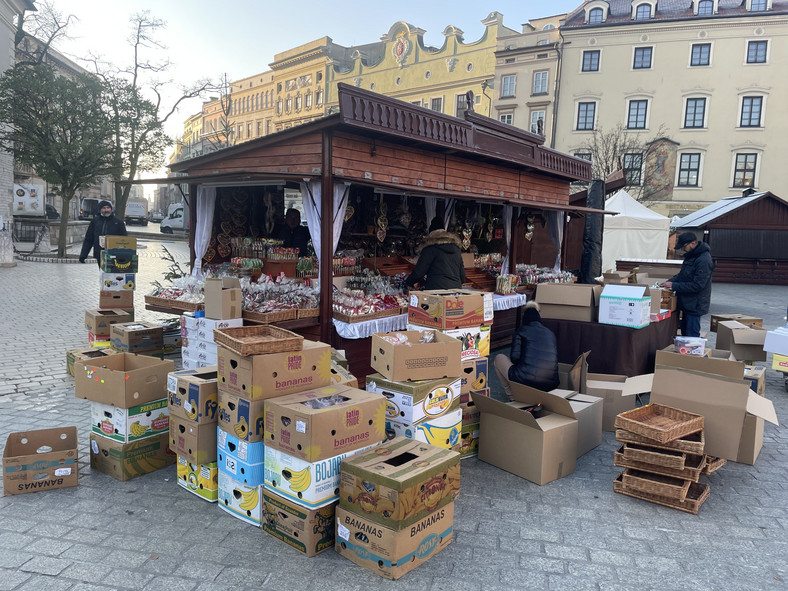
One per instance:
(709, 75)
(251, 107)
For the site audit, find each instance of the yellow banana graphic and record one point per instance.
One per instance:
(241, 428)
(137, 430)
(251, 498)
(444, 437)
(479, 384)
(192, 414)
(299, 481)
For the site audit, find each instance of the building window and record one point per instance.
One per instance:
(701, 54)
(289, 104)
(744, 173)
(583, 155)
(757, 5)
(508, 83)
(248, 130)
(427, 75)
(308, 100)
(756, 52)
(751, 107)
(643, 12)
(259, 128)
(636, 119)
(633, 169)
(548, 27)
(469, 68)
(461, 105)
(509, 60)
(536, 117)
(591, 61)
(240, 132)
(542, 42)
(695, 113)
(416, 103)
(506, 118)
(319, 97)
(540, 82)
(595, 16)
(642, 58)
(436, 104)
(705, 7)
(585, 116)
(279, 107)
(689, 170)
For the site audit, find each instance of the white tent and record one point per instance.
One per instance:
(635, 233)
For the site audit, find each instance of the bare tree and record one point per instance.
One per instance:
(223, 136)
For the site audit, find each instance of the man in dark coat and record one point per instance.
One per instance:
(104, 224)
(693, 283)
(440, 260)
(293, 234)
(534, 355)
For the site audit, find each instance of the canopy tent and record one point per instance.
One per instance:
(635, 232)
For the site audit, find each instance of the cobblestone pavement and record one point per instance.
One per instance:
(574, 533)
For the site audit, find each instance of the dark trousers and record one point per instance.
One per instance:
(690, 325)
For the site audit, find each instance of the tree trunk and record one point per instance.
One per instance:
(63, 236)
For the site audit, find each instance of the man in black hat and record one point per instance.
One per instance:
(693, 283)
(104, 224)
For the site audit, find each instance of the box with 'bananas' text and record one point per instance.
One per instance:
(125, 461)
(242, 460)
(130, 424)
(195, 442)
(193, 394)
(239, 500)
(411, 402)
(241, 417)
(310, 531)
(199, 479)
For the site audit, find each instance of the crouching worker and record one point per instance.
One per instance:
(534, 355)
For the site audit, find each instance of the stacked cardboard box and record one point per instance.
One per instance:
(144, 338)
(222, 310)
(118, 272)
(396, 508)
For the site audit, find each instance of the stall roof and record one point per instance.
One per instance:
(721, 208)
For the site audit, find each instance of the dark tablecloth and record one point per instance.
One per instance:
(614, 349)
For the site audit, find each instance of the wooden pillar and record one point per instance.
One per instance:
(326, 239)
(514, 245)
(192, 223)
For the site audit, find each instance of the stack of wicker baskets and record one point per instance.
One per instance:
(662, 452)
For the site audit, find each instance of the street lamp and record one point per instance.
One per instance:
(485, 85)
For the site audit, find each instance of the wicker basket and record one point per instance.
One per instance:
(660, 423)
(693, 443)
(364, 317)
(308, 313)
(658, 457)
(256, 340)
(270, 317)
(713, 464)
(174, 304)
(667, 487)
(696, 495)
(692, 470)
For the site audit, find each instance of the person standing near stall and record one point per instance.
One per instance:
(693, 283)
(440, 260)
(292, 233)
(104, 224)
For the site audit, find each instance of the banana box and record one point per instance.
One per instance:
(448, 309)
(319, 424)
(474, 340)
(310, 531)
(123, 300)
(399, 482)
(410, 402)
(195, 442)
(99, 341)
(117, 281)
(241, 417)
(193, 394)
(77, 355)
(119, 260)
(125, 380)
(466, 399)
(172, 341)
(125, 461)
(342, 376)
(239, 500)
(392, 553)
(475, 374)
(443, 431)
(130, 424)
(127, 242)
(43, 459)
(398, 360)
(469, 440)
(310, 485)
(137, 337)
(339, 358)
(98, 321)
(199, 479)
(258, 377)
(242, 460)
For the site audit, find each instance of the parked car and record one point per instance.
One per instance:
(52, 213)
(156, 216)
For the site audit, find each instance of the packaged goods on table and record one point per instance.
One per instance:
(532, 275)
(184, 293)
(279, 294)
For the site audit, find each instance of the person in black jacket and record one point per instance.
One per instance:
(440, 260)
(693, 283)
(293, 234)
(104, 224)
(534, 355)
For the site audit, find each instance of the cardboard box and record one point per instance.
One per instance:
(416, 360)
(98, 321)
(199, 479)
(76, 355)
(389, 553)
(756, 375)
(568, 301)
(339, 358)
(310, 485)
(208, 324)
(113, 242)
(172, 341)
(466, 399)
(193, 394)
(310, 531)
(746, 343)
(474, 374)
(776, 341)
(733, 414)
(44, 459)
(468, 260)
(119, 260)
(443, 431)
(469, 440)
(125, 380)
(242, 460)
(130, 424)
(399, 482)
(651, 274)
(573, 376)
(780, 362)
(588, 410)
(341, 376)
(125, 461)
(300, 425)
(625, 305)
(475, 341)
(409, 402)
(618, 393)
(259, 377)
(239, 500)
(539, 448)
(204, 355)
(740, 318)
(187, 363)
(223, 298)
(136, 337)
(241, 417)
(120, 300)
(195, 442)
(611, 276)
(117, 281)
(450, 309)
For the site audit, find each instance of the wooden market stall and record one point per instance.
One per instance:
(378, 145)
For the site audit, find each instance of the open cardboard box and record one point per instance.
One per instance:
(568, 301)
(43, 459)
(619, 393)
(741, 318)
(125, 380)
(416, 360)
(450, 308)
(745, 342)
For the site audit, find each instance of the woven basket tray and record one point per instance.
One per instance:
(713, 464)
(693, 443)
(256, 340)
(269, 317)
(692, 470)
(659, 422)
(659, 457)
(696, 495)
(363, 317)
(667, 487)
(308, 312)
(174, 304)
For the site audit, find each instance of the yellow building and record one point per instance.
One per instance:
(251, 107)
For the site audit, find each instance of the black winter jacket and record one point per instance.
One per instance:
(101, 226)
(441, 261)
(535, 357)
(693, 283)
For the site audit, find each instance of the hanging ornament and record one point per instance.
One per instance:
(529, 227)
(349, 212)
(467, 232)
(382, 221)
(404, 219)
